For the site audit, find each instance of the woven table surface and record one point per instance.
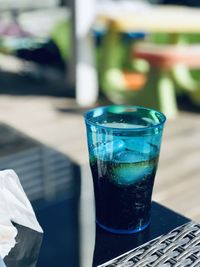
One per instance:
(178, 248)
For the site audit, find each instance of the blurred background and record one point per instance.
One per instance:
(60, 57)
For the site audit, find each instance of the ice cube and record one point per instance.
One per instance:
(132, 168)
(126, 174)
(139, 145)
(105, 151)
(128, 157)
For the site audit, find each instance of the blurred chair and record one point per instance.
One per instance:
(185, 78)
(120, 76)
(154, 87)
(159, 91)
(151, 87)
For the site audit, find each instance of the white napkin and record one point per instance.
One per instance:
(14, 206)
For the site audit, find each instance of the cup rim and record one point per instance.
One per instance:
(157, 125)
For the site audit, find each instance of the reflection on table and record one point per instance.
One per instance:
(52, 183)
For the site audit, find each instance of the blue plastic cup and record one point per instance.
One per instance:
(124, 145)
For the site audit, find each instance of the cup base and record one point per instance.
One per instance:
(123, 231)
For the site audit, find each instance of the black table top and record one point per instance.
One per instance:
(108, 246)
(52, 182)
(63, 243)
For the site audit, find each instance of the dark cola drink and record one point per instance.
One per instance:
(123, 188)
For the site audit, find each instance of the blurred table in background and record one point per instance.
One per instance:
(122, 18)
(170, 19)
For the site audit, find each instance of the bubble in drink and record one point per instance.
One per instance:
(137, 144)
